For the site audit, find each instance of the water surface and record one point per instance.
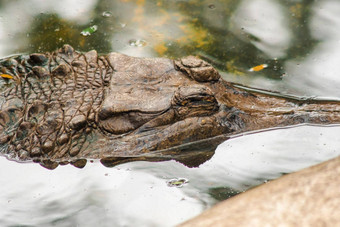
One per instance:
(298, 41)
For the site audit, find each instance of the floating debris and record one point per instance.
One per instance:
(258, 68)
(177, 182)
(137, 42)
(212, 6)
(107, 14)
(6, 76)
(89, 31)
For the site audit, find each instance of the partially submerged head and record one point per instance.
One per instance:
(75, 106)
(153, 107)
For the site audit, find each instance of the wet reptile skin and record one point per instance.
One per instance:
(67, 107)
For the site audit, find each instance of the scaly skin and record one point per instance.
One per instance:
(67, 107)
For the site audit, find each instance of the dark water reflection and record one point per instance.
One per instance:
(298, 40)
(137, 194)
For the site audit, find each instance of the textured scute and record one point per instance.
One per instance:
(51, 102)
(197, 69)
(141, 84)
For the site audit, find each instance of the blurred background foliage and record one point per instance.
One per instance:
(172, 29)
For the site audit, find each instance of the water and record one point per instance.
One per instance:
(299, 44)
(137, 194)
(137, 42)
(107, 14)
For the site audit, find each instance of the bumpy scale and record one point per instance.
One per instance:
(52, 106)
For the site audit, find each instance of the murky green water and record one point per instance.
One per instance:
(296, 42)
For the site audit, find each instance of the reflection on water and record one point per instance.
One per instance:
(298, 40)
(319, 71)
(137, 194)
(93, 196)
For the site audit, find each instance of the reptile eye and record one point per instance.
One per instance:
(195, 100)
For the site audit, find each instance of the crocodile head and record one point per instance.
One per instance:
(68, 106)
(157, 108)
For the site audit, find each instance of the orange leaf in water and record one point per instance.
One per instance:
(6, 76)
(258, 68)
